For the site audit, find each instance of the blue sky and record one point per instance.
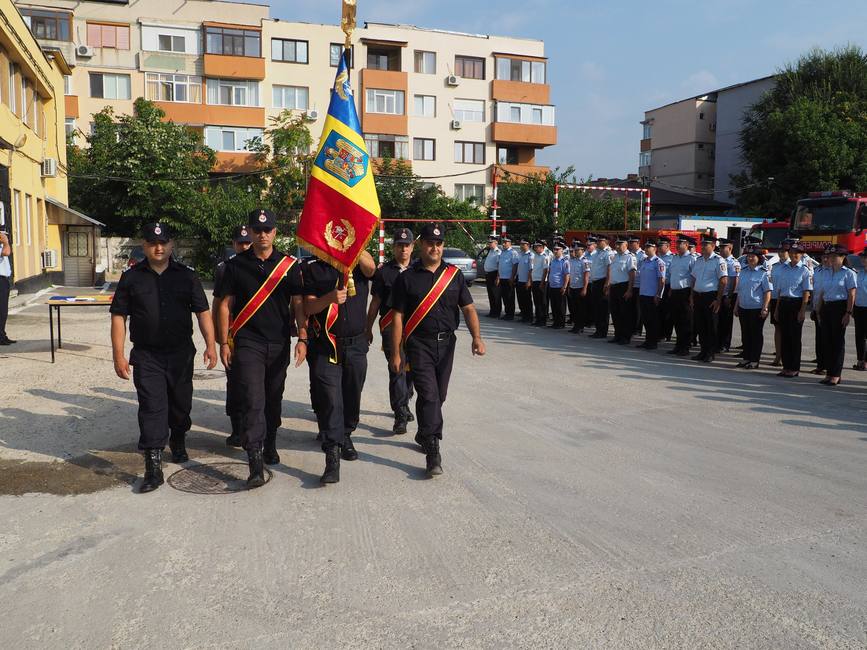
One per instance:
(611, 61)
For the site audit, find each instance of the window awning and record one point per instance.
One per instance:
(380, 42)
(69, 217)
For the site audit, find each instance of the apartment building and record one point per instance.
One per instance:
(447, 103)
(47, 237)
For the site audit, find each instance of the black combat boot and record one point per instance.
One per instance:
(153, 476)
(234, 440)
(400, 421)
(419, 440)
(270, 455)
(178, 445)
(257, 469)
(408, 413)
(348, 450)
(433, 460)
(332, 465)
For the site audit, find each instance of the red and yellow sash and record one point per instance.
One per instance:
(386, 321)
(261, 295)
(429, 301)
(331, 315)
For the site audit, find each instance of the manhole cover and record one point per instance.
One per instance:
(214, 478)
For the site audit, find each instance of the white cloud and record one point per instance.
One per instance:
(699, 82)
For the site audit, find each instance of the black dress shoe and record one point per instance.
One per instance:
(674, 351)
(682, 353)
(269, 453)
(347, 450)
(234, 440)
(7, 341)
(699, 357)
(179, 449)
(257, 469)
(153, 476)
(332, 466)
(709, 358)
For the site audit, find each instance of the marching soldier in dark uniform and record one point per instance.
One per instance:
(158, 295)
(426, 301)
(338, 355)
(257, 289)
(241, 241)
(399, 384)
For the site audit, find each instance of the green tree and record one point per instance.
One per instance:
(807, 134)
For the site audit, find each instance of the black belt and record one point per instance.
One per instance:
(435, 336)
(801, 299)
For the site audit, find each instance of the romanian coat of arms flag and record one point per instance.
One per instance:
(341, 209)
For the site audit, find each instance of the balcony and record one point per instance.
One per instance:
(70, 103)
(520, 91)
(235, 161)
(646, 144)
(200, 114)
(225, 66)
(526, 134)
(383, 122)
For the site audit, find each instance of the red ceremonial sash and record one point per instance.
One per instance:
(429, 301)
(386, 321)
(261, 295)
(331, 315)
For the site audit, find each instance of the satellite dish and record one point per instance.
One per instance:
(21, 141)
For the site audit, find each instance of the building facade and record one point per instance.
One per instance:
(47, 237)
(447, 103)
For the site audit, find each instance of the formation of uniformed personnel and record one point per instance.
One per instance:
(338, 354)
(652, 278)
(558, 285)
(710, 275)
(254, 329)
(729, 300)
(621, 279)
(158, 296)
(602, 259)
(492, 273)
(579, 282)
(399, 383)
(241, 241)
(524, 282)
(427, 300)
(507, 269)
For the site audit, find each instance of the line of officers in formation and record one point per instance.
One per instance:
(691, 296)
(261, 298)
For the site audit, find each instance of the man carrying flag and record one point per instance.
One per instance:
(426, 299)
(341, 212)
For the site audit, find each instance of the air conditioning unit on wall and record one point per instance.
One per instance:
(312, 115)
(452, 80)
(84, 51)
(49, 167)
(456, 125)
(49, 259)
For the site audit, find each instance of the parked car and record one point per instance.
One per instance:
(464, 262)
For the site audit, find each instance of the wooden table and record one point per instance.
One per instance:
(56, 302)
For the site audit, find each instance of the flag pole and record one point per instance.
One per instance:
(347, 25)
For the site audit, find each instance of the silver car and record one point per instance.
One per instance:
(463, 261)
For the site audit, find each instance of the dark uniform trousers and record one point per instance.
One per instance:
(622, 315)
(558, 305)
(791, 330)
(752, 333)
(259, 373)
(820, 361)
(726, 321)
(706, 322)
(164, 382)
(833, 336)
(650, 320)
(337, 386)
(493, 292)
(431, 361)
(5, 290)
(399, 384)
(578, 308)
(666, 318)
(860, 317)
(600, 306)
(232, 402)
(540, 302)
(681, 317)
(636, 311)
(507, 296)
(525, 301)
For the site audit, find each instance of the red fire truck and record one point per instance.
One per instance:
(831, 218)
(771, 234)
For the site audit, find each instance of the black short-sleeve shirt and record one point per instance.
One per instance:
(159, 305)
(219, 275)
(383, 281)
(321, 278)
(415, 283)
(244, 274)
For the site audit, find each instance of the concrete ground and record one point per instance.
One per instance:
(593, 496)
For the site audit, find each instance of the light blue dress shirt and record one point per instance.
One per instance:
(525, 261)
(578, 266)
(640, 255)
(599, 265)
(733, 270)
(819, 277)
(506, 263)
(5, 267)
(557, 272)
(652, 269)
(538, 265)
(861, 293)
(492, 261)
(836, 285)
(680, 271)
(621, 266)
(707, 273)
(792, 281)
(753, 285)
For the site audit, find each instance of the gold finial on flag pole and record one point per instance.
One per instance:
(347, 23)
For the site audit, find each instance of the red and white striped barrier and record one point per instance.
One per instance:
(381, 241)
(494, 205)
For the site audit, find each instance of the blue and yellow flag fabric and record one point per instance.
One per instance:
(341, 209)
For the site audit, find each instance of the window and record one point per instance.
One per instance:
(173, 88)
(507, 155)
(234, 42)
(648, 132)
(102, 35)
(389, 102)
(336, 51)
(469, 110)
(170, 43)
(28, 217)
(644, 159)
(228, 92)
(288, 50)
(520, 70)
(13, 88)
(381, 58)
(50, 25)
(423, 149)
(26, 101)
(294, 97)
(110, 86)
(16, 216)
(76, 244)
(470, 152)
(472, 193)
(224, 138)
(425, 62)
(387, 146)
(525, 113)
(69, 125)
(425, 106)
(469, 67)
(67, 84)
